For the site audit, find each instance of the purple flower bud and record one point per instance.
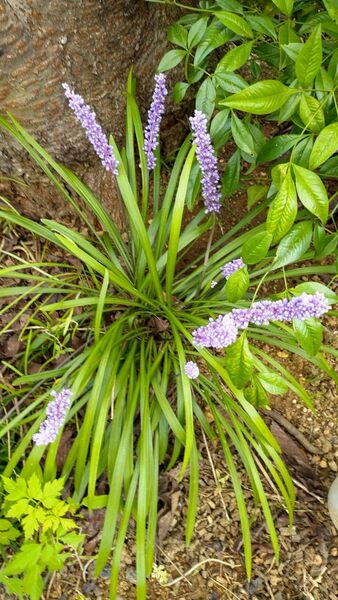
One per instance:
(208, 163)
(191, 370)
(218, 333)
(231, 267)
(154, 119)
(94, 131)
(56, 413)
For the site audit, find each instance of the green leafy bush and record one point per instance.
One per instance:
(37, 514)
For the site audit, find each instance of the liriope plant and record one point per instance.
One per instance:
(134, 395)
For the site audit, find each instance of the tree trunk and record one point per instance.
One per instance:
(90, 44)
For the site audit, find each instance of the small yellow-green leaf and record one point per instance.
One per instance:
(286, 6)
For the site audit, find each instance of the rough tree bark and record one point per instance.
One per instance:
(90, 44)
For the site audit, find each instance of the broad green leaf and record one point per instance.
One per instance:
(205, 98)
(263, 24)
(309, 333)
(7, 532)
(196, 32)
(256, 247)
(294, 245)
(260, 98)
(220, 128)
(177, 34)
(242, 135)
(286, 6)
(232, 5)
(311, 113)
(330, 168)
(234, 23)
(171, 59)
(255, 193)
(323, 84)
(235, 58)
(237, 284)
(276, 146)
(312, 287)
(292, 49)
(332, 8)
(239, 361)
(272, 383)
(231, 173)
(230, 82)
(256, 394)
(179, 91)
(283, 210)
(302, 151)
(325, 145)
(309, 59)
(311, 192)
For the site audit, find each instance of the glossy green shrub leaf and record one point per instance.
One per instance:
(220, 128)
(230, 82)
(260, 98)
(309, 334)
(255, 193)
(330, 168)
(294, 245)
(171, 59)
(242, 135)
(276, 146)
(302, 151)
(283, 210)
(234, 23)
(232, 5)
(236, 285)
(256, 394)
(256, 248)
(196, 32)
(205, 99)
(239, 361)
(286, 6)
(230, 179)
(325, 145)
(311, 113)
(311, 192)
(235, 58)
(272, 383)
(179, 90)
(177, 34)
(263, 24)
(309, 59)
(311, 287)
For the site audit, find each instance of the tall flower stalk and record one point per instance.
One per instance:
(94, 131)
(56, 414)
(155, 113)
(208, 163)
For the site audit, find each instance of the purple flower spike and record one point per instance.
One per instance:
(191, 370)
(222, 332)
(56, 414)
(94, 131)
(231, 267)
(218, 333)
(208, 163)
(154, 119)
